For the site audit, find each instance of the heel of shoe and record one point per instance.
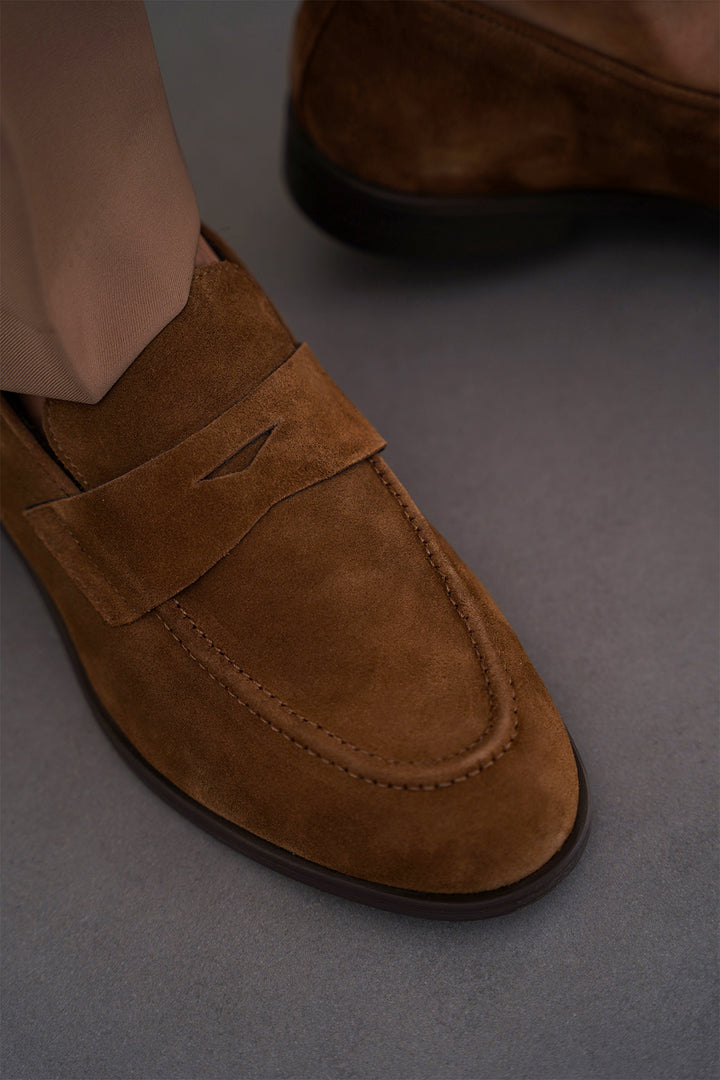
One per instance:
(389, 222)
(397, 223)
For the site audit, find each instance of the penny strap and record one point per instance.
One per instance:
(135, 541)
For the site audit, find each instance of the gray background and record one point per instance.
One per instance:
(556, 419)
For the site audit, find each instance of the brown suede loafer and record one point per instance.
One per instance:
(276, 638)
(446, 127)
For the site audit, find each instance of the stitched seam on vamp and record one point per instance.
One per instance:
(664, 89)
(313, 723)
(399, 787)
(446, 584)
(329, 761)
(448, 588)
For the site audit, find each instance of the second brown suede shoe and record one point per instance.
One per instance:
(446, 127)
(275, 637)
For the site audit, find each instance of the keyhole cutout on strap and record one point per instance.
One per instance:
(242, 458)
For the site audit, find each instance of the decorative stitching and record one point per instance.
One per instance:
(60, 452)
(65, 486)
(663, 88)
(373, 461)
(44, 468)
(329, 761)
(443, 577)
(313, 723)
(319, 727)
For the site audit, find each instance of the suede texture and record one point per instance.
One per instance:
(336, 681)
(449, 97)
(310, 433)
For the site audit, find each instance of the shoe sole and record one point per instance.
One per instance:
(450, 906)
(391, 222)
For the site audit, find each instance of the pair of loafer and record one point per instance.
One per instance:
(269, 629)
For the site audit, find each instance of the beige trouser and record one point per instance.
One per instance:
(99, 221)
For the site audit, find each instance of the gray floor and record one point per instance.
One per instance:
(556, 419)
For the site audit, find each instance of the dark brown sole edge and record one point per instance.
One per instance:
(396, 223)
(451, 906)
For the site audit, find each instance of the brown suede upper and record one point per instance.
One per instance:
(450, 97)
(279, 631)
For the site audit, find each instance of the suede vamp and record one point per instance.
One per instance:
(337, 683)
